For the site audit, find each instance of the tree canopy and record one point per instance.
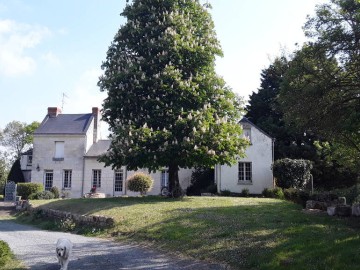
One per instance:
(17, 137)
(321, 90)
(166, 106)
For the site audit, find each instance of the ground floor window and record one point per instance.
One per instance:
(245, 172)
(96, 181)
(118, 183)
(67, 175)
(49, 178)
(165, 178)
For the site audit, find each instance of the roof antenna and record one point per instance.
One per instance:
(63, 101)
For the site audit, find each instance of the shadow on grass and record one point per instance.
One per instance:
(247, 234)
(269, 236)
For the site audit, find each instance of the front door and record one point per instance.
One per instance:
(118, 182)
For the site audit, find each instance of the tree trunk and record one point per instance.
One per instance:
(173, 177)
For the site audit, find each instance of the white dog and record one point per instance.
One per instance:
(63, 250)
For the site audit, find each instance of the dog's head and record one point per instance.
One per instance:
(61, 251)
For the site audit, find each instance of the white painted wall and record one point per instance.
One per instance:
(44, 151)
(260, 154)
(107, 178)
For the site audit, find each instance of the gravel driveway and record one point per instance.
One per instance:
(36, 248)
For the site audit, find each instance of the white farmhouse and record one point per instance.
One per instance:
(66, 149)
(254, 172)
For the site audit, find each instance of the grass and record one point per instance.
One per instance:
(245, 233)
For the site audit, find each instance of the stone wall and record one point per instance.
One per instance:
(79, 220)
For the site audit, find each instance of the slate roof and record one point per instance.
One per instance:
(65, 124)
(98, 148)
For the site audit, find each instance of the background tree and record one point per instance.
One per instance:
(166, 106)
(4, 170)
(321, 90)
(17, 137)
(292, 142)
(264, 111)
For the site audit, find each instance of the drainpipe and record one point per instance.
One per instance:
(272, 161)
(124, 180)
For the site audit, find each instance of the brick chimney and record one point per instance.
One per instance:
(54, 111)
(95, 112)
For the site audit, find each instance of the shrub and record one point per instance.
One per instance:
(140, 182)
(273, 193)
(202, 180)
(225, 193)
(42, 195)
(25, 189)
(245, 192)
(56, 192)
(296, 196)
(5, 253)
(349, 193)
(293, 173)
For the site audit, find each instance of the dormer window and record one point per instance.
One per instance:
(59, 151)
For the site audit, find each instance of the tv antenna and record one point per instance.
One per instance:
(63, 101)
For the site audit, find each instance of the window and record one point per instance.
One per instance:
(96, 178)
(29, 160)
(59, 151)
(245, 172)
(164, 178)
(118, 184)
(247, 133)
(67, 178)
(49, 176)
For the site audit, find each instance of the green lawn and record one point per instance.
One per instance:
(246, 233)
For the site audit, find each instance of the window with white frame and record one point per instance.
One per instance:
(118, 183)
(67, 176)
(48, 181)
(96, 181)
(59, 150)
(164, 178)
(245, 172)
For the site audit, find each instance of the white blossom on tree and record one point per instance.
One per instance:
(164, 95)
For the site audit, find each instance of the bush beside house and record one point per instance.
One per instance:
(140, 182)
(25, 189)
(292, 173)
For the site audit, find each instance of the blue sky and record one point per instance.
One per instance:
(48, 48)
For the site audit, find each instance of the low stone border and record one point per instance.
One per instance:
(80, 220)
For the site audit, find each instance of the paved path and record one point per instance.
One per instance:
(36, 248)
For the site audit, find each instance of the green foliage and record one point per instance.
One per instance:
(296, 195)
(273, 193)
(202, 178)
(245, 192)
(292, 172)
(15, 174)
(55, 191)
(320, 90)
(350, 193)
(4, 171)
(17, 136)
(25, 189)
(5, 253)
(225, 193)
(140, 182)
(166, 106)
(42, 195)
